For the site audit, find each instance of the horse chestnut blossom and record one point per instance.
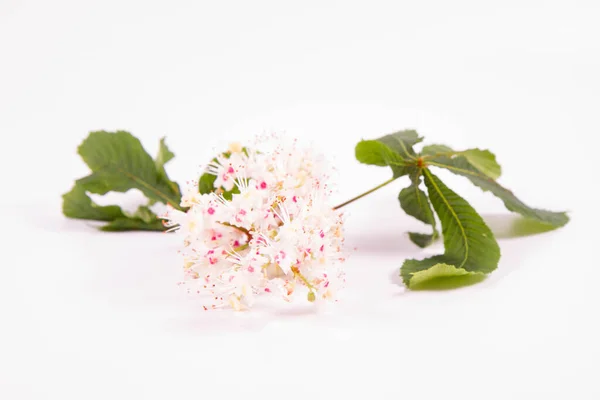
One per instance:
(265, 228)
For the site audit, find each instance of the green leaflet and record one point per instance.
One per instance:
(461, 166)
(415, 203)
(77, 204)
(206, 184)
(142, 220)
(145, 214)
(483, 160)
(373, 152)
(469, 243)
(402, 142)
(444, 276)
(422, 239)
(436, 149)
(394, 150)
(119, 163)
(164, 156)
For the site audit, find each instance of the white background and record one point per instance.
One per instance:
(89, 315)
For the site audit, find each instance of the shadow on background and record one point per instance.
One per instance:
(509, 226)
(384, 239)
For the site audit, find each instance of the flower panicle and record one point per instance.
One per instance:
(275, 235)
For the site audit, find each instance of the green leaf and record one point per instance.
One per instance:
(484, 161)
(145, 214)
(444, 276)
(374, 152)
(394, 150)
(469, 243)
(402, 142)
(206, 184)
(461, 166)
(422, 239)
(164, 156)
(119, 163)
(142, 220)
(77, 204)
(435, 149)
(415, 203)
(133, 224)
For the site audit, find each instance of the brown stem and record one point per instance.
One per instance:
(239, 228)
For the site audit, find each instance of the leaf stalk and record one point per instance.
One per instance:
(365, 193)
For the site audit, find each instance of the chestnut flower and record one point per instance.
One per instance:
(275, 235)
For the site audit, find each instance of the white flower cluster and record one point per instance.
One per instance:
(276, 234)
